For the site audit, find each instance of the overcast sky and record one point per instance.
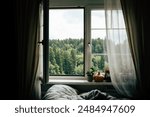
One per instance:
(66, 23)
(70, 24)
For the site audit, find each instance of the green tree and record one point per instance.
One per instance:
(59, 59)
(52, 56)
(73, 59)
(67, 64)
(79, 70)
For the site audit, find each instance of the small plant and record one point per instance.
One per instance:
(90, 74)
(91, 71)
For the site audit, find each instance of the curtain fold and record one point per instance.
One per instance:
(136, 19)
(27, 23)
(39, 75)
(121, 65)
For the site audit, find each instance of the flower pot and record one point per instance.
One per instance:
(90, 78)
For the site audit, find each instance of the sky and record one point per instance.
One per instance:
(69, 23)
(66, 23)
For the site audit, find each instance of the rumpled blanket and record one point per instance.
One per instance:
(96, 95)
(65, 92)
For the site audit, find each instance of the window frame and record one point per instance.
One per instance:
(87, 41)
(88, 31)
(96, 8)
(73, 76)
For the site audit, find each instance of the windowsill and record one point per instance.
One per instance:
(75, 82)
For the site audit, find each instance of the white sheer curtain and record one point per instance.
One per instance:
(120, 61)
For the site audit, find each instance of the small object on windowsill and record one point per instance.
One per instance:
(90, 74)
(98, 77)
(90, 78)
(107, 76)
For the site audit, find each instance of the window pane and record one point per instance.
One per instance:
(98, 34)
(98, 19)
(66, 23)
(66, 43)
(98, 37)
(98, 41)
(98, 45)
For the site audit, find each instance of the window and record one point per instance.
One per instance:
(66, 42)
(98, 38)
(77, 38)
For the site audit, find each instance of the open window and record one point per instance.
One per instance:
(66, 42)
(76, 40)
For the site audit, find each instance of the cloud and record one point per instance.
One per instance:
(65, 24)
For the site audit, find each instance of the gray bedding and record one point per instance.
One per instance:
(65, 92)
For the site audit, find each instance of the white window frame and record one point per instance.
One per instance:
(63, 77)
(87, 43)
(90, 8)
(88, 40)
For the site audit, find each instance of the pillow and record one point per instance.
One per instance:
(61, 92)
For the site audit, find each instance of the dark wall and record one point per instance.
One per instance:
(8, 51)
(145, 15)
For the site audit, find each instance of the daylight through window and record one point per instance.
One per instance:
(66, 42)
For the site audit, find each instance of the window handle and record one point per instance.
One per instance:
(41, 42)
(89, 48)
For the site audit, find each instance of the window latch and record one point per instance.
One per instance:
(41, 42)
(89, 44)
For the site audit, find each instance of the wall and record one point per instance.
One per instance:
(71, 3)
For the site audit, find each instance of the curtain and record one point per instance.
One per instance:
(136, 15)
(120, 60)
(39, 75)
(27, 23)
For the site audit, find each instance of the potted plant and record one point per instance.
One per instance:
(90, 74)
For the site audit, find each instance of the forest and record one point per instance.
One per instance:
(66, 57)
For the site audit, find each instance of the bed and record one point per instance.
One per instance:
(65, 92)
